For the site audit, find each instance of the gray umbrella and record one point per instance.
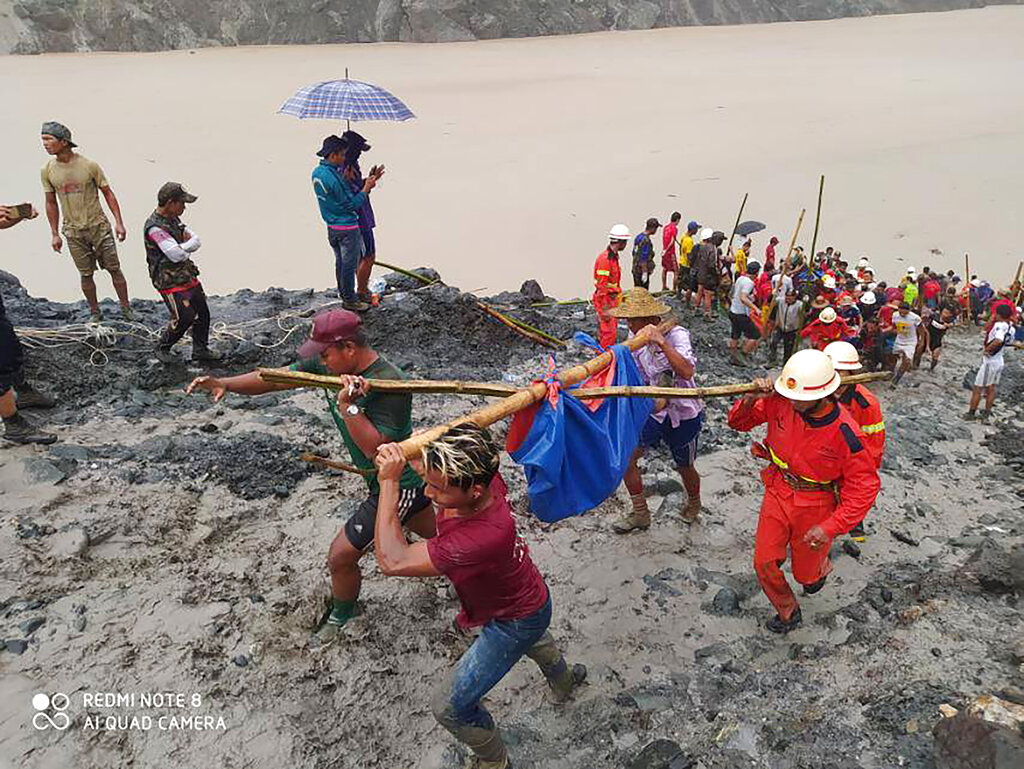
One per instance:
(749, 228)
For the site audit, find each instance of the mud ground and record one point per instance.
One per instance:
(167, 544)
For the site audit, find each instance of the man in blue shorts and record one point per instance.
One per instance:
(667, 360)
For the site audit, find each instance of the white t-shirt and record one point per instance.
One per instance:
(743, 285)
(998, 333)
(906, 328)
(781, 285)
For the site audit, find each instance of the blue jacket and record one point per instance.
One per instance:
(339, 204)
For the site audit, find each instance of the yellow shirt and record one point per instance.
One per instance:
(685, 247)
(741, 261)
(77, 185)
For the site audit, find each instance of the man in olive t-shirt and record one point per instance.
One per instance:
(366, 420)
(72, 184)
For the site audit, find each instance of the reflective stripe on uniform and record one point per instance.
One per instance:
(782, 465)
(602, 272)
(877, 427)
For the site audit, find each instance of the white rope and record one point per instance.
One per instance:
(98, 338)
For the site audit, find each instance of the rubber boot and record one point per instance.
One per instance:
(692, 507)
(562, 678)
(30, 398)
(636, 520)
(20, 430)
(488, 748)
(204, 355)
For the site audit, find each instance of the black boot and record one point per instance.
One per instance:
(204, 355)
(814, 587)
(30, 398)
(20, 430)
(778, 625)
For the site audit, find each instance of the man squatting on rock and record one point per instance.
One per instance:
(12, 357)
(489, 565)
(820, 480)
(338, 346)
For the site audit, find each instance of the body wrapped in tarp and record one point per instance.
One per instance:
(575, 452)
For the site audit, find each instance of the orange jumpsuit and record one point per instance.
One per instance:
(867, 413)
(820, 474)
(821, 333)
(607, 274)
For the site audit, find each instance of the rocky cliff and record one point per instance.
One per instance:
(36, 26)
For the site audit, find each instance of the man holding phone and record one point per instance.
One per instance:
(17, 429)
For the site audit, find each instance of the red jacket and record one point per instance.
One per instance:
(821, 333)
(867, 413)
(827, 449)
(607, 274)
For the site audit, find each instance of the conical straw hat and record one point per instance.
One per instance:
(638, 303)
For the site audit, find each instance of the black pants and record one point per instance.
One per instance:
(788, 339)
(641, 278)
(12, 355)
(188, 311)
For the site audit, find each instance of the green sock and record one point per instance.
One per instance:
(341, 612)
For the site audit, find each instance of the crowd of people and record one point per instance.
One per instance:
(822, 450)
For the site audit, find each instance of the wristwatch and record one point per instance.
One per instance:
(352, 410)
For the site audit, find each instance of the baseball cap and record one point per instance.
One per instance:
(58, 131)
(693, 226)
(174, 191)
(331, 145)
(719, 236)
(706, 233)
(653, 222)
(331, 327)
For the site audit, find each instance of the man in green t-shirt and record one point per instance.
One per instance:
(366, 420)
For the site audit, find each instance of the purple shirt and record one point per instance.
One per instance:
(653, 362)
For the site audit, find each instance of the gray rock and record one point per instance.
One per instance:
(39, 470)
(29, 626)
(996, 569)
(531, 290)
(662, 754)
(79, 623)
(68, 544)
(966, 742)
(69, 451)
(241, 660)
(666, 484)
(16, 646)
(726, 602)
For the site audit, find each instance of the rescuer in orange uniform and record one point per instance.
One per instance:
(820, 481)
(863, 407)
(607, 289)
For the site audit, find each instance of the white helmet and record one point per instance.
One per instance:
(864, 261)
(807, 376)
(911, 271)
(868, 298)
(706, 233)
(844, 356)
(828, 315)
(619, 232)
(829, 281)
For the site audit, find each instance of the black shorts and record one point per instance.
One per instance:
(359, 526)
(12, 356)
(743, 325)
(935, 337)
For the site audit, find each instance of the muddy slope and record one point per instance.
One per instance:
(166, 544)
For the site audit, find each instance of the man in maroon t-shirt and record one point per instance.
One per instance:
(489, 565)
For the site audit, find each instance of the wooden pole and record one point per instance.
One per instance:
(700, 392)
(307, 457)
(403, 271)
(967, 286)
(523, 329)
(302, 379)
(792, 243)
(738, 217)
(495, 412)
(817, 218)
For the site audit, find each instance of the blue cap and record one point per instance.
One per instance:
(693, 225)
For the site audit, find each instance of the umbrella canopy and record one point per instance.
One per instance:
(749, 228)
(346, 100)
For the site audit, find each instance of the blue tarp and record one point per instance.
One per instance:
(574, 458)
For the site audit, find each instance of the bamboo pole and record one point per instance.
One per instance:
(302, 379)
(792, 243)
(700, 392)
(532, 335)
(524, 325)
(403, 271)
(738, 217)
(495, 412)
(307, 457)
(967, 284)
(817, 218)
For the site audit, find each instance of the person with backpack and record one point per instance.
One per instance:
(992, 363)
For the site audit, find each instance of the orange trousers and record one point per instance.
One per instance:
(781, 526)
(607, 326)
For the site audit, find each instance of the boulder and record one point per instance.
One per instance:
(966, 742)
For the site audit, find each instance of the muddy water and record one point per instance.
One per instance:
(525, 151)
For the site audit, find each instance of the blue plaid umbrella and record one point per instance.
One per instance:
(346, 100)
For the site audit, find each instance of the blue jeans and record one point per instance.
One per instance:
(500, 645)
(348, 251)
